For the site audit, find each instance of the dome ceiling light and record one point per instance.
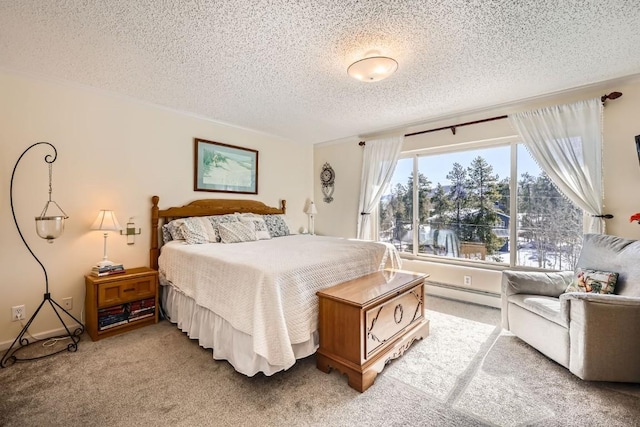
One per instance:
(373, 68)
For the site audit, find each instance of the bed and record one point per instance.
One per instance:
(252, 301)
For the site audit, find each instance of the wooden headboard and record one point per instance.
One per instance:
(202, 207)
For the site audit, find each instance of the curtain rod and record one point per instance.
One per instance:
(603, 98)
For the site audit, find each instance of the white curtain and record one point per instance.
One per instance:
(566, 141)
(379, 162)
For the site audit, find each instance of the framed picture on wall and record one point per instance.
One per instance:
(225, 168)
(638, 146)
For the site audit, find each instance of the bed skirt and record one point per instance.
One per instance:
(212, 331)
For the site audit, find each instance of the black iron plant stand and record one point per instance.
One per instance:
(10, 356)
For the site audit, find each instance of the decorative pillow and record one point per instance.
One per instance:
(173, 228)
(245, 214)
(277, 225)
(593, 281)
(259, 226)
(197, 230)
(166, 234)
(221, 219)
(236, 232)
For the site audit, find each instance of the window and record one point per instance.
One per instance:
(461, 206)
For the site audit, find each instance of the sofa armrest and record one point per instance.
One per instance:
(602, 298)
(604, 332)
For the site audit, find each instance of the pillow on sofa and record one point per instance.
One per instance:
(593, 281)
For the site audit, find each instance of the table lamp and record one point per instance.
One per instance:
(311, 211)
(106, 221)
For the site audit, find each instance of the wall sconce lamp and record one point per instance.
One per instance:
(130, 232)
(106, 221)
(48, 227)
(311, 211)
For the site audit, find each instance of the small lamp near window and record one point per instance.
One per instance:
(106, 221)
(311, 211)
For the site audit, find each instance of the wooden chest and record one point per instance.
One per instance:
(366, 322)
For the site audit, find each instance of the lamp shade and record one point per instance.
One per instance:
(372, 69)
(106, 221)
(311, 209)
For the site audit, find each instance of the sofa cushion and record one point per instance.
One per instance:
(593, 281)
(550, 308)
(610, 253)
(551, 284)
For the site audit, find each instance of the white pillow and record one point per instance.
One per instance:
(236, 232)
(259, 226)
(198, 230)
(221, 219)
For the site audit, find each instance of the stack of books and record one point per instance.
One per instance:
(121, 314)
(113, 316)
(142, 309)
(107, 270)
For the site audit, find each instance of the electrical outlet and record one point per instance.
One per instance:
(467, 280)
(17, 313)
(67, 303)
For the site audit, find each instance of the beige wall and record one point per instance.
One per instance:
(113, 153)
(621, 171)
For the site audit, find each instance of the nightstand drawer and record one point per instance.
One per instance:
(126, 290)
(388, 320)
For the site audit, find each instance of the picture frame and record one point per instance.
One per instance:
(224, 168)
(638, 146)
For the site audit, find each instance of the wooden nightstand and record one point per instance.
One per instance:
(121, 302)
(366, 322)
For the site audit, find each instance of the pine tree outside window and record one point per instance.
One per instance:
(486, 204)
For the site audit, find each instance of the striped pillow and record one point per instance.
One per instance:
(236, 232)
(262, 233)
(198, 230)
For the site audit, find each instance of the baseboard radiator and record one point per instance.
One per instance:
(449, 291)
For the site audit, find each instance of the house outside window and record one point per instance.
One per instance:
(488, 203)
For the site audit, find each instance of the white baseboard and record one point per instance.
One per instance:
(4, 345)
(461, 294)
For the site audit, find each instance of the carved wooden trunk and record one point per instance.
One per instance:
(366, 322)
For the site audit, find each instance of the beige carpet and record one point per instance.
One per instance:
(466, 373)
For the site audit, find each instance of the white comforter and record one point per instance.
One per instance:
(267, 289)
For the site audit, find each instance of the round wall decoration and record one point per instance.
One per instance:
(327, 178)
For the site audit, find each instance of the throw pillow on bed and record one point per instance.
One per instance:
(173, 230)
(236, 232)
(221, 219)
(277, 225)
(198, 230)
(593, 281)
(260, 227)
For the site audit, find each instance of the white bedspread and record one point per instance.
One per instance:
(267, 288)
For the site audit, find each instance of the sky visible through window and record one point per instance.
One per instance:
(437, 166)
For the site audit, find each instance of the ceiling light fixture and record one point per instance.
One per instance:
(373, 68)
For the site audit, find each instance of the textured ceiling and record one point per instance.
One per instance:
(279, 66)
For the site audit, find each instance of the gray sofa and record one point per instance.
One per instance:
(595, 336)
